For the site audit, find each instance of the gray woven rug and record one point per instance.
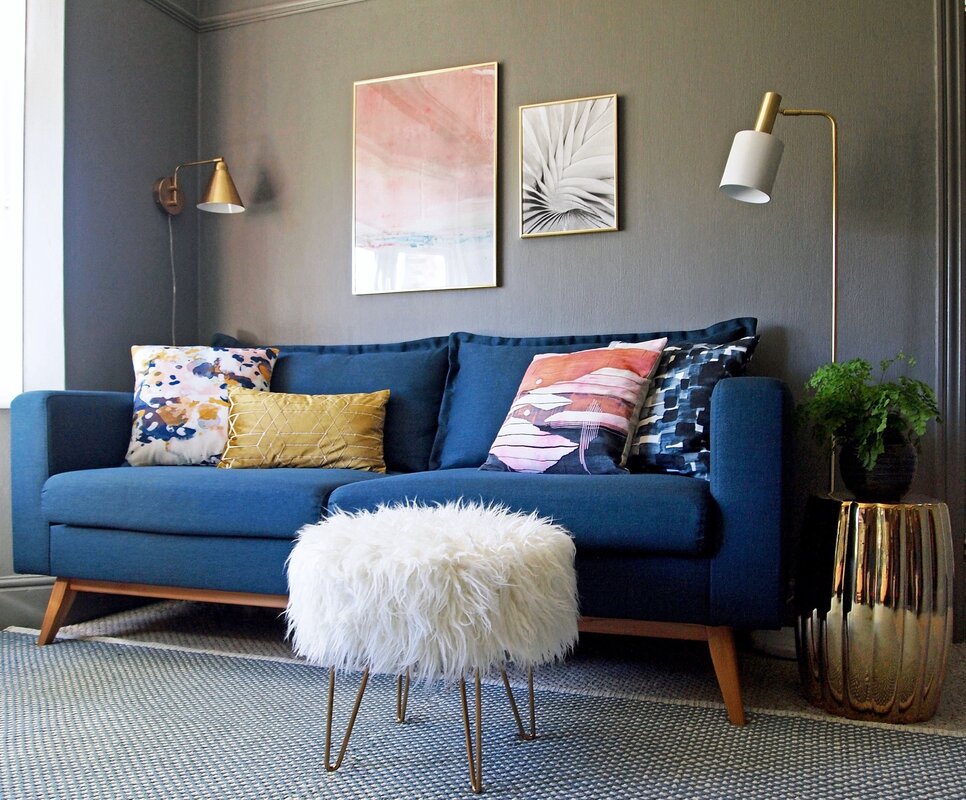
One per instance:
(117, 718)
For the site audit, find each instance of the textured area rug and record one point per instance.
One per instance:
(101, 719)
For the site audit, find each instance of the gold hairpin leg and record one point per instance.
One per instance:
(329, 767)
(475, 762)
(516, 712)
(402, 697)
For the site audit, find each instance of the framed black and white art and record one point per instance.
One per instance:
(568, 166)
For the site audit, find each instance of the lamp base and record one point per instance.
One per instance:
(168, 196)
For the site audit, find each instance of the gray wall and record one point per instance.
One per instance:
(278, 103)
(131, 116)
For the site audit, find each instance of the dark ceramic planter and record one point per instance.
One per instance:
(888, 480)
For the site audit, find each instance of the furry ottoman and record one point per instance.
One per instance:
(433, 591)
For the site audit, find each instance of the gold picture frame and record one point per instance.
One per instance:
(424, 178)
(568, 166)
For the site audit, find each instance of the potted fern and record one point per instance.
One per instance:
(874, 423)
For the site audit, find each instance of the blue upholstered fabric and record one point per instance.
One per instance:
(485, 373)
(748, 459)
(414, 372)
(660, 588)
(635, 514)
(54, 432)
(658, 547)
(219, 502)
(199, 562)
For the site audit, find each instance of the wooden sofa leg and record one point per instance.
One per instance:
(61, 598)
(724, 656)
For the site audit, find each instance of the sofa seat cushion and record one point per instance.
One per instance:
(266, 503)
(635, 514)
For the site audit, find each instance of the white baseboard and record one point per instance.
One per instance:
(16, 582)
(25, 604)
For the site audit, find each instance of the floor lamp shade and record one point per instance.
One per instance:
(752, 165)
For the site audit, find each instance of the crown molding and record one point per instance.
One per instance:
(286, 8)
(176, 12)
(282, 8)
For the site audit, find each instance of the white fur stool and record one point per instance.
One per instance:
(436, 592)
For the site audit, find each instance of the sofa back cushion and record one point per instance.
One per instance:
(414, 372)
(485, 373)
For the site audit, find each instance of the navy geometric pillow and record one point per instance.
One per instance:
(673, 434)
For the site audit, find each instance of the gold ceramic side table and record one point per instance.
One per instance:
(875, 617)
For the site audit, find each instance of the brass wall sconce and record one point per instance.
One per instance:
(220, 196)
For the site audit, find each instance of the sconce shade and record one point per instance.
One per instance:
(752, 165)
(221, 196)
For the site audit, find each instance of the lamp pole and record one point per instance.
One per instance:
(812, 112)
(750, 174)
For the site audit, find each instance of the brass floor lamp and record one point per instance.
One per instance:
(750, 174)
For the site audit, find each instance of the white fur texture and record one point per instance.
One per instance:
(438, 589)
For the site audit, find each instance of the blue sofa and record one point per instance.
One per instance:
(657, 555)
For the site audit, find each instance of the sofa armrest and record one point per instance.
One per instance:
(749, 431)
(53, 432)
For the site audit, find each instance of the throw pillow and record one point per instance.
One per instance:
(337, 431)
(181, 400)
(485, 372)
(574, 412)
(414, 371)
(673, 433)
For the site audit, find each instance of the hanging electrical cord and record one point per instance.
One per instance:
(174, 283)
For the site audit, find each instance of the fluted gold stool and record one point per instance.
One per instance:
(875, 595)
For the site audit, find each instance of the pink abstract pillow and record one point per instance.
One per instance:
(574, 412)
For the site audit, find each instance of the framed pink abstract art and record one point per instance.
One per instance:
(424, 181)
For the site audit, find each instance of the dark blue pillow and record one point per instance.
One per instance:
(674, 432)
(485, 373)
(414, 372)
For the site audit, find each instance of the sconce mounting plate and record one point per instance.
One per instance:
(168, 196)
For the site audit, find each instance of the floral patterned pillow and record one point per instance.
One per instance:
(575, 412)
(181, 400)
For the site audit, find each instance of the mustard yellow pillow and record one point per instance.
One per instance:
(271, 429)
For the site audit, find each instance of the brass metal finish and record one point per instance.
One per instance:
(516, 712)
(474, 760)
(814, 112)
(402, 697)
(768, 112)
(168, 196)
(221, 195)
(220, 190)
(329, 767)
(875, 608)
(473, 742)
